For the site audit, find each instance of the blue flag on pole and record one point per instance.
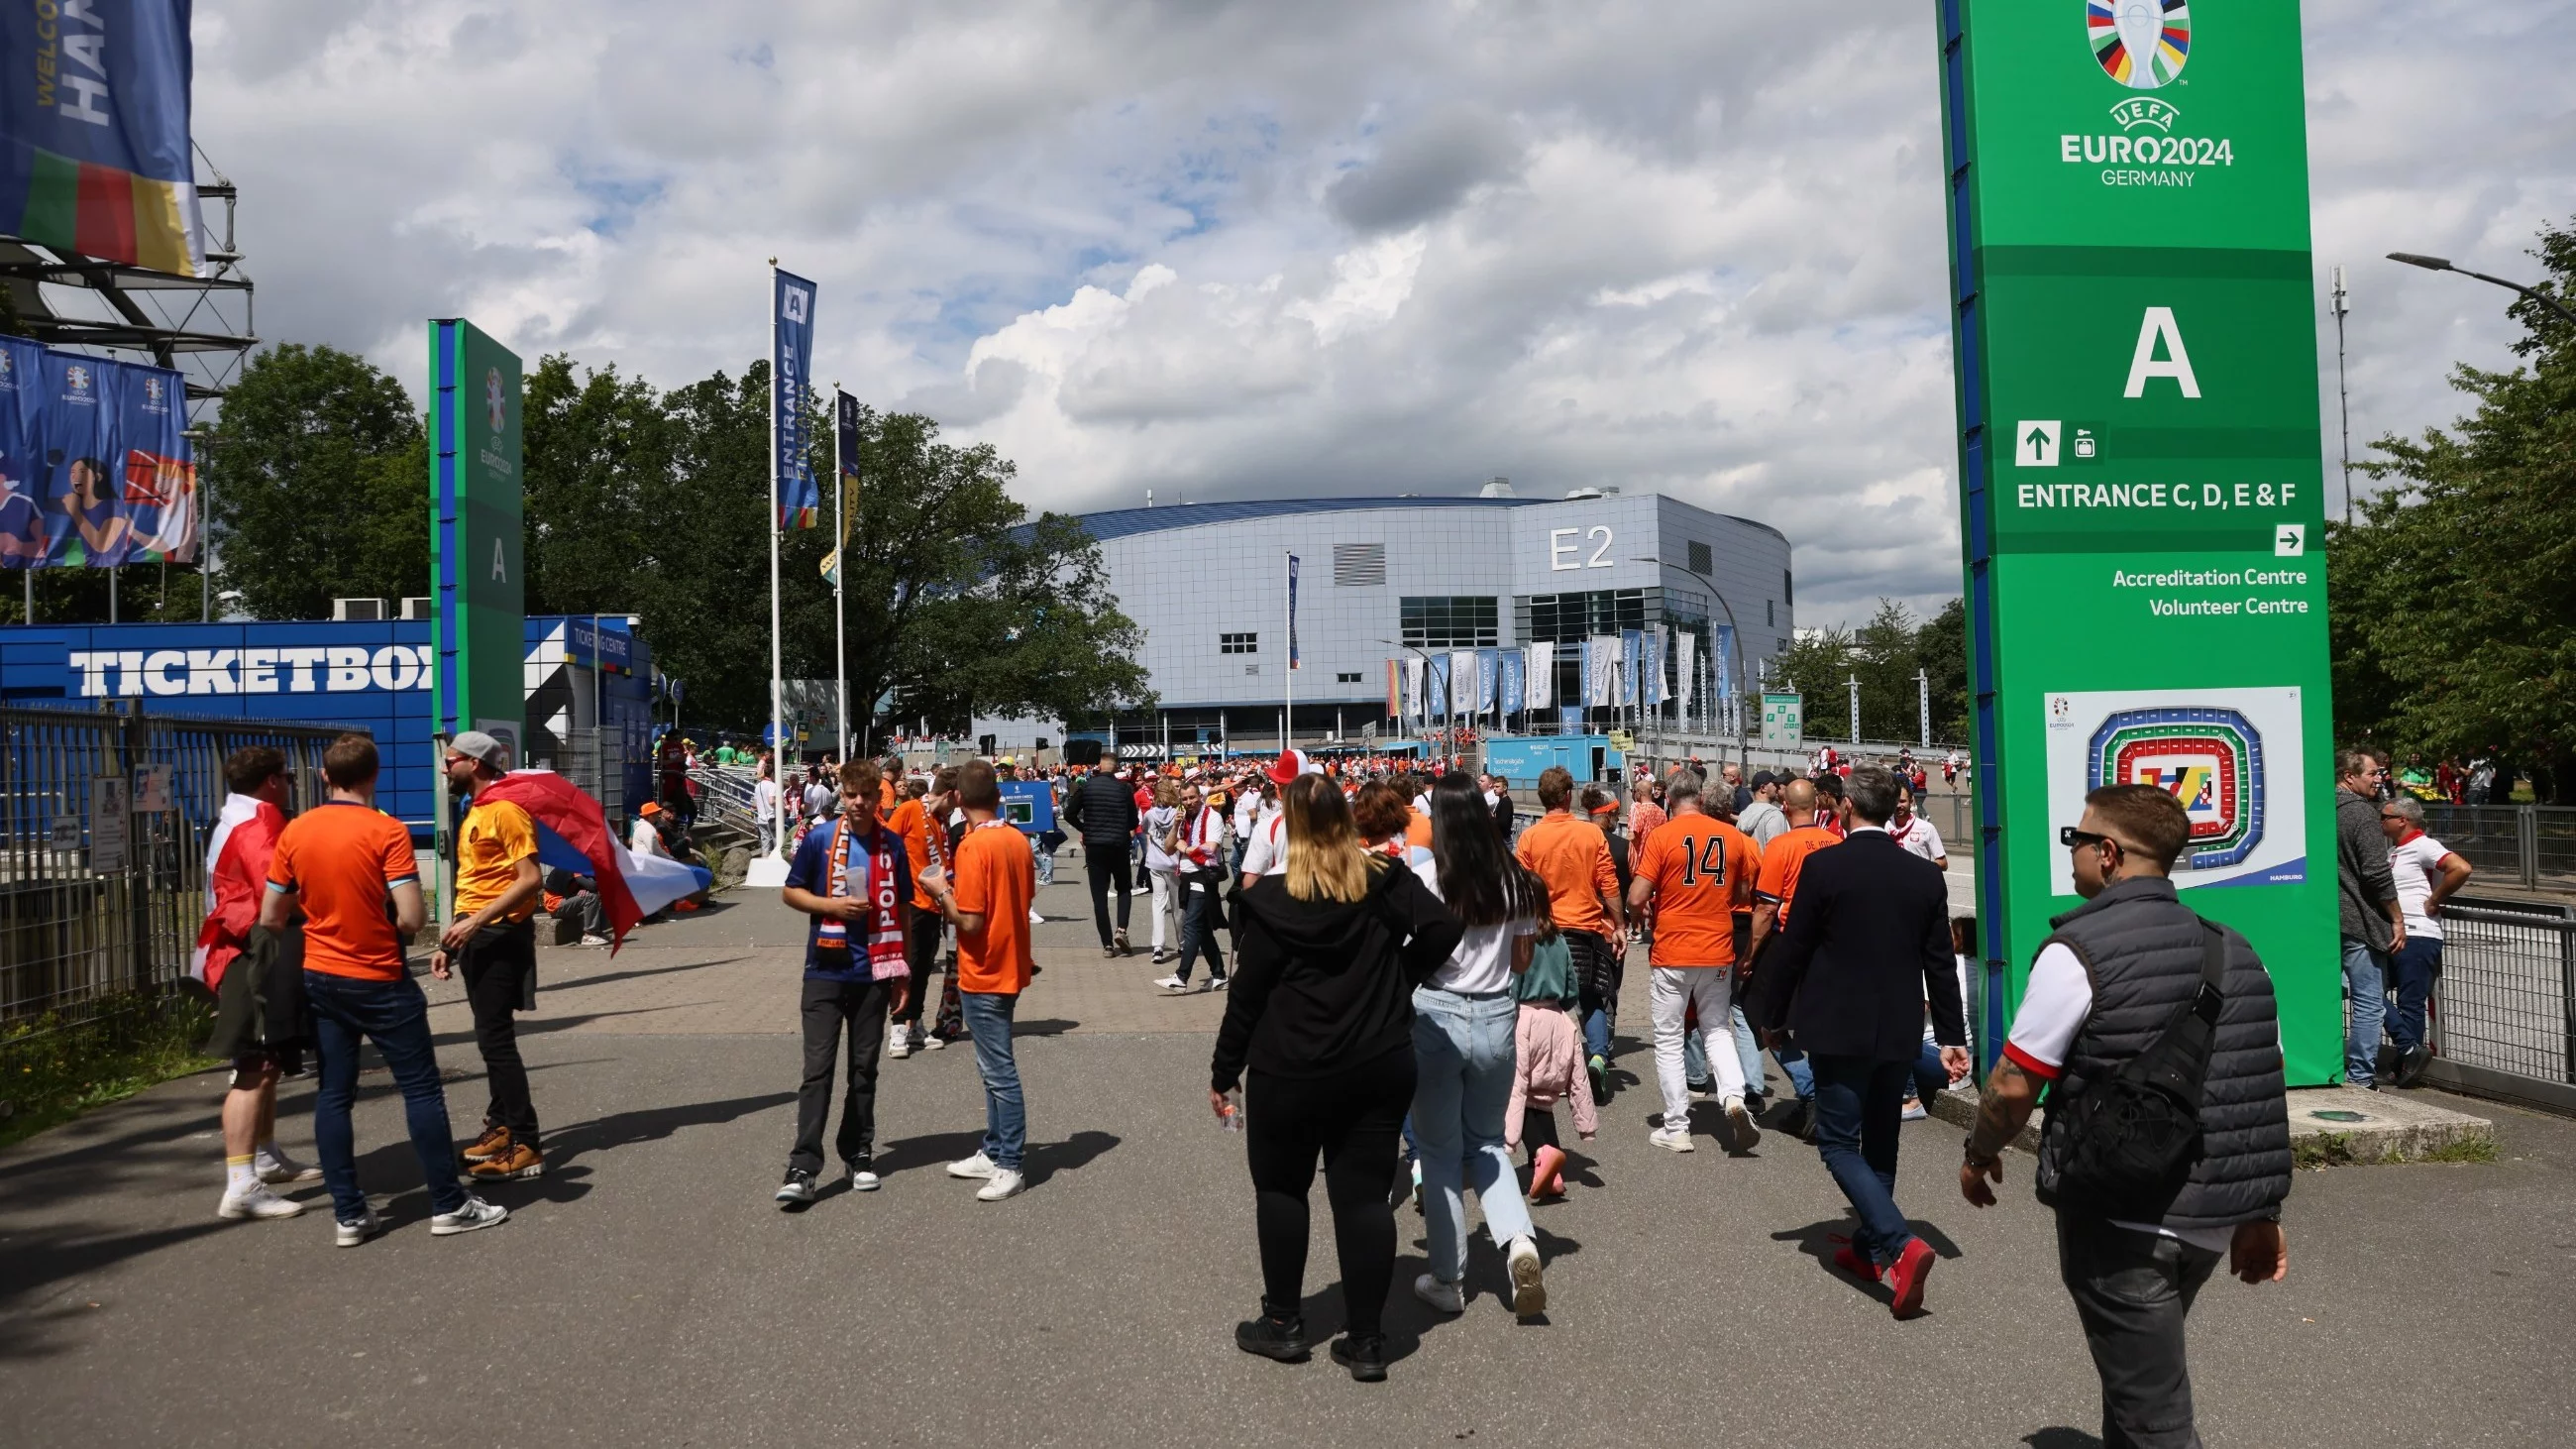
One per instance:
(1509, 682)
(792, 357)
(1292, 611)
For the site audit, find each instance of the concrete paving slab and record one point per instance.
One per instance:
(2329, 1126)
(647, 1292)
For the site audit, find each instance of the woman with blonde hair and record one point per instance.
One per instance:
(1326, 959)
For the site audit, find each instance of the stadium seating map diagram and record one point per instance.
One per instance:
(2231, 756)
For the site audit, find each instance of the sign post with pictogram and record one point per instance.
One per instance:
(2141, 469)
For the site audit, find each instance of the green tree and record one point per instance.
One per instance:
(2452, 599)
(319, 479)
(1815, 665)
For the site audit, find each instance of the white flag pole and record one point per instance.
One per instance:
(777, 685)
(840, 577)
(1288, 666)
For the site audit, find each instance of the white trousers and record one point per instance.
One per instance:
(1670, 997)
(1166, 905)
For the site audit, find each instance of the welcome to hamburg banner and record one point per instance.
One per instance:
(94, 154)
(94, 470)
(791, 330)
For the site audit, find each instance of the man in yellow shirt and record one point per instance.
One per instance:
(493, 942)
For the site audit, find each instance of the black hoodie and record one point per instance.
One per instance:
(1322, 986)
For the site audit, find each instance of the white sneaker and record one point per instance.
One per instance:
(1447, 1297)
(257, 1202)
(1006, 1182)
(596, 941)
(1913, 1112)
(930, 1043)
(862, 1180)
(1171, 983)
(1740, 1118)
(278, 1167)
(976, 1166)
(1529, 1291)
(1672, 1139)
(476, 1213)
(1034, 918)
(351, 1234)
(1142, 891)
(1217, 983)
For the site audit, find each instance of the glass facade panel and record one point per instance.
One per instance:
(1452, 622)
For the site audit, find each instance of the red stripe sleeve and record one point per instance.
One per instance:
(2028, 1063)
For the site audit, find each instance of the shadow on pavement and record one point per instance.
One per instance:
(1819, 1240)
(936, 1149)
(2061, 1439)
(650, 1124)
(1045, 1160)
(1044, 1026)
(32, 1259)
(605, 977)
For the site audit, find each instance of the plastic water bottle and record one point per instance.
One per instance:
(1232, 1121)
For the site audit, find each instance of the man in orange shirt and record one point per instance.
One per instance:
(1696, 870)
(349, 868)
(1782, 859)
(987, 900)
(922, 821)
(1573, 857)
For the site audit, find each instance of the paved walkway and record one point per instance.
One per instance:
(647, 1292)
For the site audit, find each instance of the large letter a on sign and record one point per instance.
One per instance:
(2158, 326)
(501, 570)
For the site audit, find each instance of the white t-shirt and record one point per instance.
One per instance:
(2053, 1008)
(1482, 964)
(1267, 854)
(2417, 865)
(1920, 837)
(643, 839)
(1246, 803)
(764, 800)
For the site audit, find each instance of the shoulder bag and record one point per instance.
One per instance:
(2128, 1140)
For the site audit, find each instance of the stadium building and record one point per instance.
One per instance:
(1384, 579)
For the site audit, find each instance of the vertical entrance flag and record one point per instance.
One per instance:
(1510, 682)
(799, 499)
(1541, 686)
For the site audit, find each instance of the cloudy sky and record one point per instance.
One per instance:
(1239, 250)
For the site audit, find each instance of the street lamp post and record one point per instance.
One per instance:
(1743, 718)
(2443, 264)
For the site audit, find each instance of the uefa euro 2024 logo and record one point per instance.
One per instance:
(2141, 44)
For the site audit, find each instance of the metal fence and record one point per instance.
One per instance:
(2502, 1021)
(102, 888)
(2531, 846)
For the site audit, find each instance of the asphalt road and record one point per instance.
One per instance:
(647, 1292)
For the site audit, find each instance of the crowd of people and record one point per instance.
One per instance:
(1422, 974)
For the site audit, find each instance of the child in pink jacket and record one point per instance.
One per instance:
(1550, 1067)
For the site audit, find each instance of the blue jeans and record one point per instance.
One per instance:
(1045, 861)
(1006, 1116)
(395, 1016)
(1793, 1062)
(2415, 967)
(1859, 1102)
(2365, 977)
(1464, 1053)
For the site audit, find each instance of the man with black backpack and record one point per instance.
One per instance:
(2167, 1144)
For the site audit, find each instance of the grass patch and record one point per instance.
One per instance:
(2341, 1149)
(53, 1069)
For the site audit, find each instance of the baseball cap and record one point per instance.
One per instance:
(474, 744)
(1291, 764)
(1764, 777)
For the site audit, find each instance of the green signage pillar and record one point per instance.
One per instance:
(2140, 466)
(476, 537)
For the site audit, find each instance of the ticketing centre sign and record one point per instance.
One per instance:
(2140, 464)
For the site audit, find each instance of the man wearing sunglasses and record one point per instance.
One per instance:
(2102, 991)
(2373, 920)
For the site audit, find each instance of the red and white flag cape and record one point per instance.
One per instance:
(237, 857)
(630, 887)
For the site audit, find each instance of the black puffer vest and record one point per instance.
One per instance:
(2141, 947)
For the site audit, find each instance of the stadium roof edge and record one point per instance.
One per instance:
(1125, 522)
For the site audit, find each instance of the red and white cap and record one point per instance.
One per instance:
(1292, 763)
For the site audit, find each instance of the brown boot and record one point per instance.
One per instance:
(494, 1142)
(519, 1162)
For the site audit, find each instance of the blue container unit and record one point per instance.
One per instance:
(1520, 758)
(373, 676)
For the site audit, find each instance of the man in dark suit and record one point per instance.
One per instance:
(1868, 946)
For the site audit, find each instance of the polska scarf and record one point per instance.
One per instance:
(885, 932)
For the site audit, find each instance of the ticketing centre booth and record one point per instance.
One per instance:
(590, 690)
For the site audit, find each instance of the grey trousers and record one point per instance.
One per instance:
(2133, 1290)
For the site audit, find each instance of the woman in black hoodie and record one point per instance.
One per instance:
(1326, 960)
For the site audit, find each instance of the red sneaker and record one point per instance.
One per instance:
(1852, 1261)
(1906, 1275)
(1547, 1172)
